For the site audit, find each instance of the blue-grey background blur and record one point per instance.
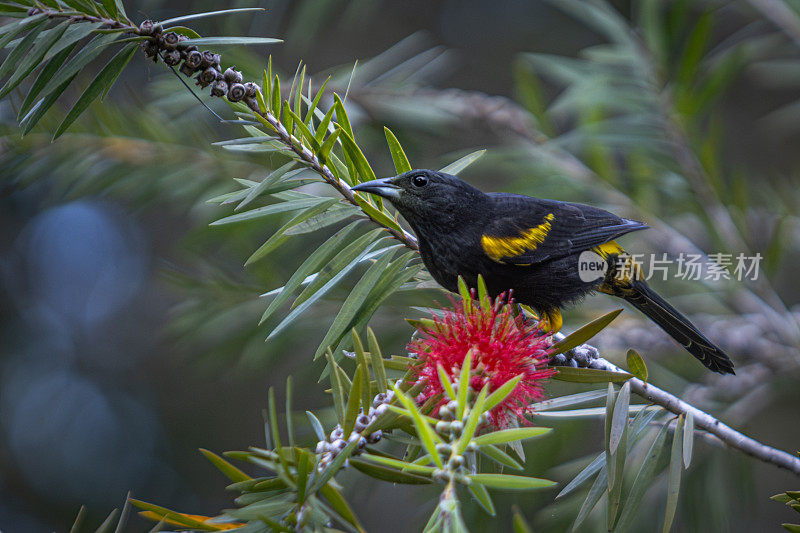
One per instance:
(128, 333)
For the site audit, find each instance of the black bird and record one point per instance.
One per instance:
(533, 247)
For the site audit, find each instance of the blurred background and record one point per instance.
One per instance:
(128, 326)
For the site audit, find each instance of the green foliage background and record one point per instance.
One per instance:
(682, 114)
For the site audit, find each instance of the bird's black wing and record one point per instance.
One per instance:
(526, 230)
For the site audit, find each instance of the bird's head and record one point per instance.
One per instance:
(426, 197)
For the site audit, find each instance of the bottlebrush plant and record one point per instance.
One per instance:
(454, 411)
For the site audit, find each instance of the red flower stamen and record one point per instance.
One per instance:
(502, 349)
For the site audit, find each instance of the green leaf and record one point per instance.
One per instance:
(345, 260)
(312, 105)
(233, 41)
(391, 475)
(376, 214)
(341, 116)
(332, 216)
(500, 457)
(104, 80)
(399, 158)
(322, 478)
(585, 333)
(471, 425)
(675, 468)
(365, 171)
(620, 421)
(354, 401)
(463, 385)
(16, 55)
(589, 375)
(340, 505)
(34, 57)
(505, 481)
(326, 147)
(568, 401)
(457, 166)
(445, 381)
(501, 393)
(43, 79)
(196, 16)
(338, 388)
(86, 55)
(688, 439)
(319, 257)
(279, 237)
(317, 425)
(230, 471)
(425, 433)
(590, 470)
(173, 516)
(399, 464)
(644, 478)
(636, 365)
(273, 178)
(377, 361)
(481, 495)
(595, 493)
(354, 301)
(508, 435)
(321, 291)
(41, 107)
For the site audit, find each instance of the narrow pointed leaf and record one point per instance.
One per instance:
(589, 375)
(399, 464)
(620, 421)
(338, 388)
(101, 83)
(688, 439)
(399, 158)
(585, 333)
(44, 77)
(644, 478)
(16, 55)
(463, 385)
(590, 470)
(231, 41)
(471, 425)
(505, 481)
(509, 435)
(365, 171)
(674, 478)
(353, 401)
(445, 381)
(196, 16)
(425, 433)
(33, 58)
(595, 493)
(377, 361)
(230, 471)
(501, 393)
(481, 495)
(457, 166)
(267, 182)
(500, 457)
(391, 475)
(568, 401)
(317, 425)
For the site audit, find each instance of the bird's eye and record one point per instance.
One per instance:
(419, 181)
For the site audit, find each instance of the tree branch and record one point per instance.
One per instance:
(705, 421)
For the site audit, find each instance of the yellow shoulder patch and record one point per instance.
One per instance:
(498, 248)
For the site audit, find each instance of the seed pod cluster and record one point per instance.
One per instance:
(204, 66)
(329, 448)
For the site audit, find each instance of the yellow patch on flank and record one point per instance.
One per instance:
(623, 271)
(499, 247)
(609, 248)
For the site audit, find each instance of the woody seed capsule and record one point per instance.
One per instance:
(146, 27)
(170, 40)
(232, 75)
(219, 88)
(250, 89)
(172, 58)
(236, 93)
(194, 59)
(206, 77)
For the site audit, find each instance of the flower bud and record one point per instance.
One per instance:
(380, 397)
(363, 420)
(146, 27)
(236, 93)
(232, 75)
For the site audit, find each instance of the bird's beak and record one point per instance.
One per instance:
(382, 187)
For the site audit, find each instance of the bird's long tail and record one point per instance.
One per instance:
(633, 289)
(657, 309)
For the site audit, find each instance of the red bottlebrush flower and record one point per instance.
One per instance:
(501, 348)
